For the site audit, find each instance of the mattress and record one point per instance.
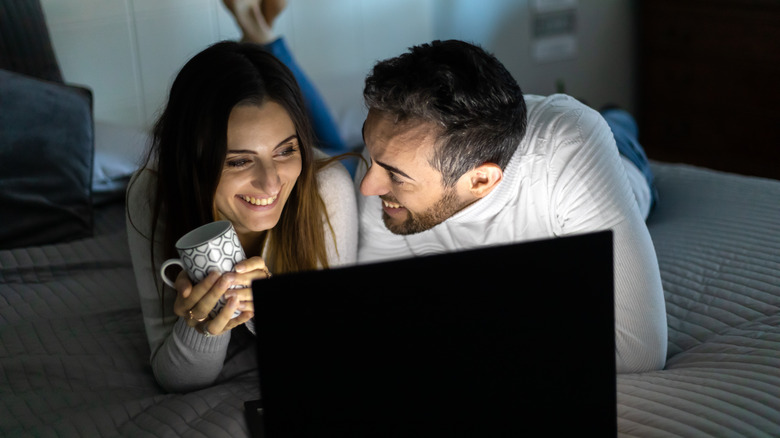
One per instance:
(717, 237)
(74, 360)
(74, 356)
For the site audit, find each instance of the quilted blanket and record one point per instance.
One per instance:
(717, 237)
(74, 356)
(74, 360)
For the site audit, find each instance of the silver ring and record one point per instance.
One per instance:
(206, 331)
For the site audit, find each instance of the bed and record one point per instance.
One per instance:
(74, 360)
(717, 236)
(74, 357)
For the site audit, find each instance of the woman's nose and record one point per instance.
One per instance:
(267, 179)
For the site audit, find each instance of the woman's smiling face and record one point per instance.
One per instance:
(262, 164)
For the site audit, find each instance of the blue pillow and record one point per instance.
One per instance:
(46, 158)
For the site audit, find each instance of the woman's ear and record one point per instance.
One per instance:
(484, 178)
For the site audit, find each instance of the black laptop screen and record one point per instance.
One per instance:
(498, 341)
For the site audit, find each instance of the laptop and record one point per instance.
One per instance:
(501, 341)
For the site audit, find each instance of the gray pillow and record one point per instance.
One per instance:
(46, 155)
(25, 45)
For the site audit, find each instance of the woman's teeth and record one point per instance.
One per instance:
(259, 201)
(390, 204)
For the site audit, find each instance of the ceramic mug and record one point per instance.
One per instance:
(210, 247)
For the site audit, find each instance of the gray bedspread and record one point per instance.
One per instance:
(74, 360)
(74, 357)
(717, 237)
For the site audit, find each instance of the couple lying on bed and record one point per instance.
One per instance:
(458, 158)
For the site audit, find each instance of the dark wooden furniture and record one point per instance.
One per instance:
(709, 83)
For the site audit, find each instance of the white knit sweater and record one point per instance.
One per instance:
(182, 358)
(566, 177)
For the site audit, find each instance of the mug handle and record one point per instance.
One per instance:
(165, 265)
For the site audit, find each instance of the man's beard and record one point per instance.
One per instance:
(415, 223)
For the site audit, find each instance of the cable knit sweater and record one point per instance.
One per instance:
(182, 358)
(566, 177)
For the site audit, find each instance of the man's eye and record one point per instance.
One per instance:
(394, 178)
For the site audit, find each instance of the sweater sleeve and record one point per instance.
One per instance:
(591, 192)
(182, 358)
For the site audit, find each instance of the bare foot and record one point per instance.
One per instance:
(250, 19)
(271, 9)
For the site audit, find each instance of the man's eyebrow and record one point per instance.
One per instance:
(249, 151)
(393, 169)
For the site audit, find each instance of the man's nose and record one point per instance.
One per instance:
(374, 183)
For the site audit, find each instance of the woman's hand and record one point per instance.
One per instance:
(195, 302)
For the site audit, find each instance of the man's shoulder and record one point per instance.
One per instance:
(553, 104)
(557, 115)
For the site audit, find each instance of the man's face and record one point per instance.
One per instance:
(414, 198)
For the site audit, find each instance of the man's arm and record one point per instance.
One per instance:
(592, 193)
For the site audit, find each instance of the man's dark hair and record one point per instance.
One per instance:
(461, 88)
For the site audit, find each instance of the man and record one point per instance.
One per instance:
(460, 158)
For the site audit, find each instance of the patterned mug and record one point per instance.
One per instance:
(210, 247)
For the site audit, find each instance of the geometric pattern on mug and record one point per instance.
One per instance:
(218, 254)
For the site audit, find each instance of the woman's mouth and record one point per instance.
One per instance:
(259, 201)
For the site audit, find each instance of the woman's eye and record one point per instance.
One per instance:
(289, 150)
(238, 162)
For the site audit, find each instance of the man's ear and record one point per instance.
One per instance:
(484, 178)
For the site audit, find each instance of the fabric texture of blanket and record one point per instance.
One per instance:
(74, 356)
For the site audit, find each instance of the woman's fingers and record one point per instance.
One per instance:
(240, 319)
(251, 264)
(243, 294)
(223, 321)
(204, 296)
(253, 268)
(244, 297)
(183, 285)
(194, 303)
(183, 292)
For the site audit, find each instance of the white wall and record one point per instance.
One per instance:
(128, 51)
(602, 70)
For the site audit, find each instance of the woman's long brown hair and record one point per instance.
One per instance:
(190, 145)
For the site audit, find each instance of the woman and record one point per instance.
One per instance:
(234, 143)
